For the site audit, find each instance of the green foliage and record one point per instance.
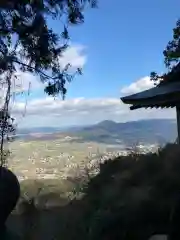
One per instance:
(171, 59)
(172, 51)
(7, 132)
(28, 43)
(132, 197)
(7, 126)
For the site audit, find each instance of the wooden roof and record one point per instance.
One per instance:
(162, 96)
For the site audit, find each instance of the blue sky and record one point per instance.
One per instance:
(120, 43)
(124, 40)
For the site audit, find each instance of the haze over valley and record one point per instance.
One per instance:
(54, 153)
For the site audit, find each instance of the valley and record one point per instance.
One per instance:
(54, 154)
(57, 154)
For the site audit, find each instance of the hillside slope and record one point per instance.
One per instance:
(147, 131)
(158, 131)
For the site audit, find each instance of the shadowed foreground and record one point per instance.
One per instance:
(132, 197)
(10, 192)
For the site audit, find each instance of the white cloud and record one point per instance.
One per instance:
(74, 55)
(56, 107)
(47, 111)
(81, 111)
(25, 81)
(138, 86)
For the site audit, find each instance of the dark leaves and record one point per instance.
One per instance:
(171, 59)
(79, 70)
(65, 34)
(23, 25)
(155, 77)
(75, 16)
(172, 51)
(26, 22)
(6, 124)
(60, 50)
(94, 4)
(61, 78)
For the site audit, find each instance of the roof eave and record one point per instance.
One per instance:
(156, 93)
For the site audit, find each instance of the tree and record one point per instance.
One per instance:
(28, 44)
(171, 59)
(7, 131)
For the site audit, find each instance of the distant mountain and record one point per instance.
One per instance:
(44, 133)
(158, 131)
(46, 130)
(37, 130)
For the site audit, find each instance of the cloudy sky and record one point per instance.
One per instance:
(118, 46)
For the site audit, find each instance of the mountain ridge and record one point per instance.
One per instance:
(158, 131)
(148, 131)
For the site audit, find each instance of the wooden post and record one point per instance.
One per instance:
(178, 124)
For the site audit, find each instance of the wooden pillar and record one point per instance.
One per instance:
(178, 124)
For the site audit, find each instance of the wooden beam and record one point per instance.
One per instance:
(178, 123)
